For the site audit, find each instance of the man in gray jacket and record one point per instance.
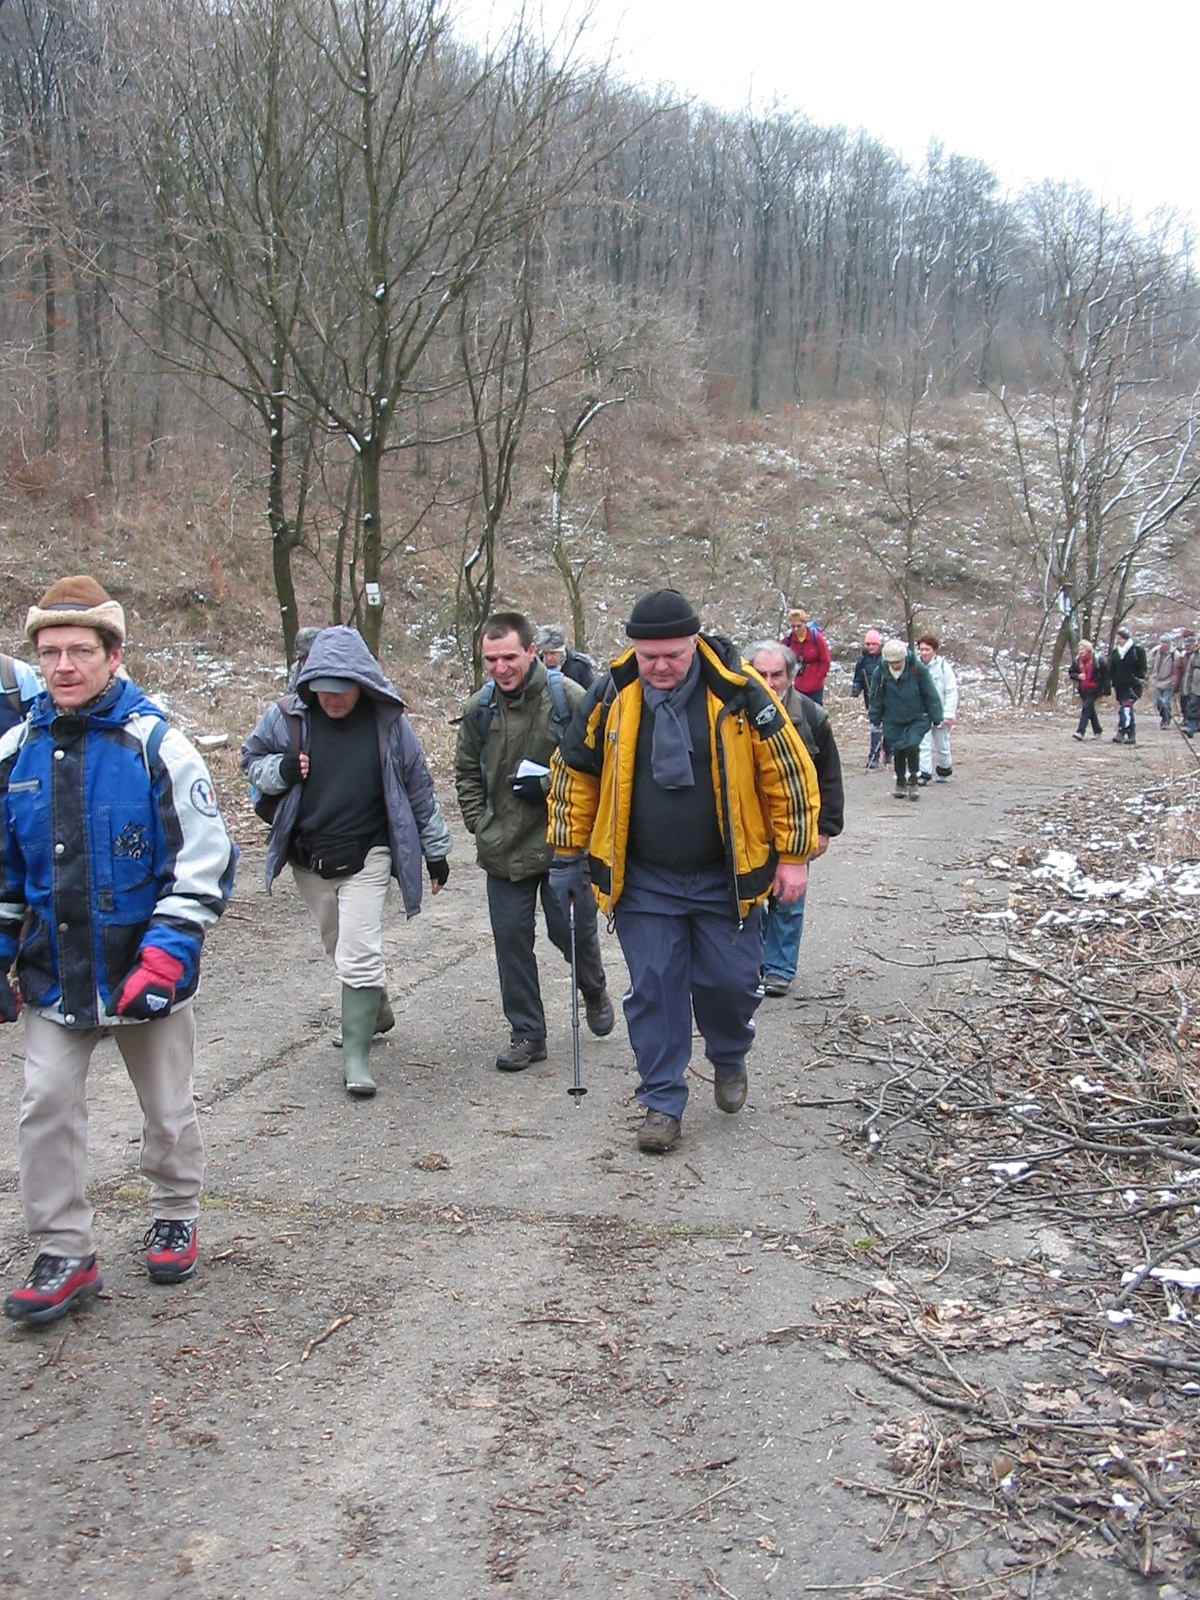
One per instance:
(506, 736)
(356, 808)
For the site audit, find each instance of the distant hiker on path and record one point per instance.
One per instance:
(935, 746)
(784, 924)
(1164, 668)
(807, 643)
(1089, 673)
(687, 797)
(551, 646)
(1127, 679)
(905, 705)
(866, 669)
(508, 732)
(1189, 687)
(114, 863)
(356, 810)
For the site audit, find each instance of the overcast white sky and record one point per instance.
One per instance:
(1097, 92)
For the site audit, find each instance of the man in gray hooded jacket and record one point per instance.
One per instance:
(356, 808)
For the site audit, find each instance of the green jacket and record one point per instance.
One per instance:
(510, 833)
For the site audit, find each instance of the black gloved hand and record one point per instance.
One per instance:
(439, 872)
(10, 1003)
(289, 769)
(529, 789)
(569, 880)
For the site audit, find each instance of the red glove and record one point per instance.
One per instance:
(149, 990)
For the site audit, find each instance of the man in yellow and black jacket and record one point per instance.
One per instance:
(687, 797)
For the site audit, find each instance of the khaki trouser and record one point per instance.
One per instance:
(349, 913)
(52, 1132)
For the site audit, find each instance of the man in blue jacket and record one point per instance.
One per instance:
(114, 862)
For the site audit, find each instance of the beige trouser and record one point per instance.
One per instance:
(349, 913)
(52, 1132)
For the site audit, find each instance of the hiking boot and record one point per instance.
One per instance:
(775, 988)
(520, 1054)
(900, 792)
(729, 1089)
(52, 1288)
(1118, 738)
(924, 778)
(599, 1011)
(658, 1133)
(170, 1249)
(914, 790)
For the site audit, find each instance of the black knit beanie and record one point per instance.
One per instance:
(664, 614)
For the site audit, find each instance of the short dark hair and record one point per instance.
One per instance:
(108, 640)
(930, 639)
(502, 622)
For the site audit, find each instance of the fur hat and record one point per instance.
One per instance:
(551, 637)
(77, 602)
(895, 651)
(663, 614)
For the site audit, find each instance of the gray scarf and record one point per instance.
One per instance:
(671, 750)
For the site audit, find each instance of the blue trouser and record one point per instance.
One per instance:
(781, 939)
(686, 954)
(1162, 704)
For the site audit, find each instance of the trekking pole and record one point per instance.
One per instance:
(576, 1091)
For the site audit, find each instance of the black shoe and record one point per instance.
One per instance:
(170, 1249)
(598, 1009)
(520, 1054)
(1118, 738)
(729, 1090)
(924, 778)
(52, 1288)
(658, 1134)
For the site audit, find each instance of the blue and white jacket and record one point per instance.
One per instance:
(111, 841)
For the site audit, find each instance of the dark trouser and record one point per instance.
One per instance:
(907, 759)
(1087, 714)
(1125, 726)
(513, 910)
(686, 955)
(1191, 713)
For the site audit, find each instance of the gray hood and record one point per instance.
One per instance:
(342, 653)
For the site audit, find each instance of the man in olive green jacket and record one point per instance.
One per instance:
(506, 736)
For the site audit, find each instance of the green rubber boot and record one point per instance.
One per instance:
(384, 1022)
(360, 1013)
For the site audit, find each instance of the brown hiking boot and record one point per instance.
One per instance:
(729, 1090)
(658, 1133)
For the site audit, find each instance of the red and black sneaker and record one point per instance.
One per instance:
(53, 1287)
(171, 1249)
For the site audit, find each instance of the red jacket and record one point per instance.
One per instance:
(812, 656)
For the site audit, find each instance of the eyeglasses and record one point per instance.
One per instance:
(79, 655)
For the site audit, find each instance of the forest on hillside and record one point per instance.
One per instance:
(380, 283)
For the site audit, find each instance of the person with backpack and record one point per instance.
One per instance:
(114, 864)
(807, 643)
(905, 705)
(1127, 679)
(506, 736)
(866, 668)
(19, 688)
(355, 809)
(1089, 673)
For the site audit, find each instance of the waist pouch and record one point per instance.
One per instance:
(337, 859)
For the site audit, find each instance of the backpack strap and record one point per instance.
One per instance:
(151, 747)
(9, 686)
(562, 707)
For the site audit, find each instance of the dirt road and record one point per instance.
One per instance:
(463, 1336)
